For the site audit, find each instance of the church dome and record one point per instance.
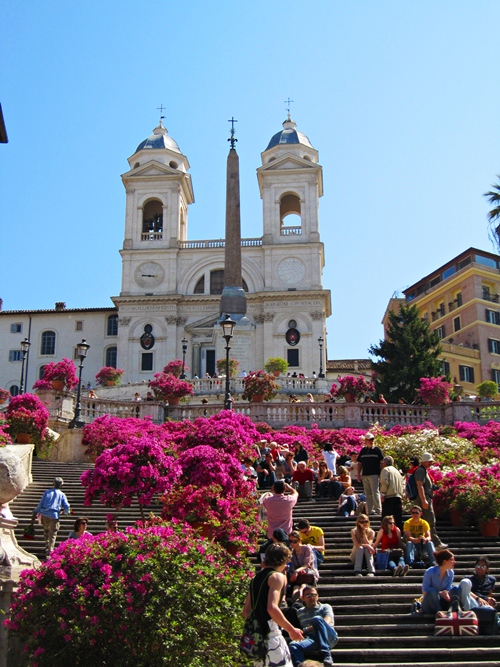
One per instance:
(159, 139)
(289, 135)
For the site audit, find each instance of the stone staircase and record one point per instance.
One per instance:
(43, 478)
(372, 616)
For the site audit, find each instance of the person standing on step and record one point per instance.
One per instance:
(392, 488)
(266, 592)
(279, 507)
(51, 504)
(425, 489)
(316, 620)
(369, 460)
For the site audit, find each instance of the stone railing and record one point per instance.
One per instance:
(288, 385)
(217, 243)
(93, 408)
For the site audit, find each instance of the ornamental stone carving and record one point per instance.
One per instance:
(181, 321)
(124, 321)
(171, 319)
(268, 317)
(259, 319)
(317, 315)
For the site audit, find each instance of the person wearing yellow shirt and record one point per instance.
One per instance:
(417, 532)
(314, 536)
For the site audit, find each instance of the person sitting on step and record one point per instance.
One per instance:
(418, 538)
(266, 472)
(389, 539)
(316, 620)
(362, 538)
(302, 481)
(323, 479)
(314, 536)
(476, 590)
(347, 502)
(302, 567)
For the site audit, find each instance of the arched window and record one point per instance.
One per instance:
(14, 390)
(290, 213)
(111, 357)
(41, 372)
(112, 328)
(48, 345)
(217, 282)
(152, 221)
(200, 286)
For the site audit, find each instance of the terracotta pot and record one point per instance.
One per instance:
(490, 528)
(58, 385)
(233, 549)
(110, 383)
(258, 398)
(350, 398)
(23, 439)
(2, 401)
(434, 400)
(456, 518)
(205, 528)
(174, 400)
(276, 374)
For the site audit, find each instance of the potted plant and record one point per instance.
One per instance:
(233, 366)
(276, 366)
(4, 396)
(351, 388)
(487, 389)
(259, 386)
(169, 388)
(109, 376)
(480, 505)
(434, 391)
(57, 375)
(175, 367)
(27, 416)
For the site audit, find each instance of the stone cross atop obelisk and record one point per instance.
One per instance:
(233, 300)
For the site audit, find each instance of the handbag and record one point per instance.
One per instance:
(305, 577)
(455, 622)
(381, 560)
(487, 619)
(255, 631)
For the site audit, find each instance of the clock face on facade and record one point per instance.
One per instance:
(291, 271)
(149, 274)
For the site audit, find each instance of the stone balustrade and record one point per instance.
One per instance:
(288, 385)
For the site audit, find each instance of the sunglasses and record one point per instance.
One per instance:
(415, 512)
(293, 541)
(363, 521)
(481, 567)
(391, 523)
(311, 595)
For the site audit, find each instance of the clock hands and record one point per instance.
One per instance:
(148, 275)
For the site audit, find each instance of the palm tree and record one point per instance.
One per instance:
(493, 196)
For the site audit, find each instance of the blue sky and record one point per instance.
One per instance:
(402, 100)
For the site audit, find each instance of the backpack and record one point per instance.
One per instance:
(411, 486)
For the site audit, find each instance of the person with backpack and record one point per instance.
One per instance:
(51, 505)
(391, 491)
(425, 490)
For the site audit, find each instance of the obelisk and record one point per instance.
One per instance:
(233, 300)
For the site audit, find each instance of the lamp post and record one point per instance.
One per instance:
(227, 332)
(25, 346)
(321, 341)
(81, 350)
(184, 350)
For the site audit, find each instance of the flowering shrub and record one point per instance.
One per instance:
(479, 503)
(233, 366)
(349, 384)
(204, 465)
(167, 385)
(175, 367)
(109, 374)
(230, 431)
(139, 469)
(107, 432)
(434, 390)
(42, 384)
(5, 438)
(27, 414)
(259, 383)
(276, 364)
(487, 389)
(143, 598)
(61, 371)
(4, 395)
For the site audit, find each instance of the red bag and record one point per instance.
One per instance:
(456, 623)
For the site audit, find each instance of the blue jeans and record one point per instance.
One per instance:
(347, 507)
(322, 638)
(422, 549)
(266, 481)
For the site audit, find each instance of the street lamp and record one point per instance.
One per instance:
(81, 351)
(184, 350)
(25, 346)
(227, 333)
(321, 341)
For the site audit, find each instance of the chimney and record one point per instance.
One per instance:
(60, 305)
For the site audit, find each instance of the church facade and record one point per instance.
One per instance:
(171, 285)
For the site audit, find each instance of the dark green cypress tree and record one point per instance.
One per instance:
(409, 352)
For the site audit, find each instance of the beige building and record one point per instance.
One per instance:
(461, 302)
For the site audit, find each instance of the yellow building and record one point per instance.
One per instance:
(461, 302)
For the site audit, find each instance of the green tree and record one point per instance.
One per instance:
(493, 197)
(409, 352)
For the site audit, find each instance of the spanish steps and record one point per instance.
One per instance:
(372, 616)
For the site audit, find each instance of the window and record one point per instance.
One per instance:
(152, 221)
(292, 357)
(147, 361)
(495, 375)
(449, 272)
(464, 262)
(111, 356)
(486, 292)
(15, 355)
(466, 373)
(493, 316)
(79, 325)
(200, 286)
(456, 324)
(112, 329)
(494, 345)
(290, 208)
(441, 332)
(41, 372)
(48, 345)
(14, 390)
(458, 299)
(445, 368)
(217, 282)
(17, 327)
(487, 261)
